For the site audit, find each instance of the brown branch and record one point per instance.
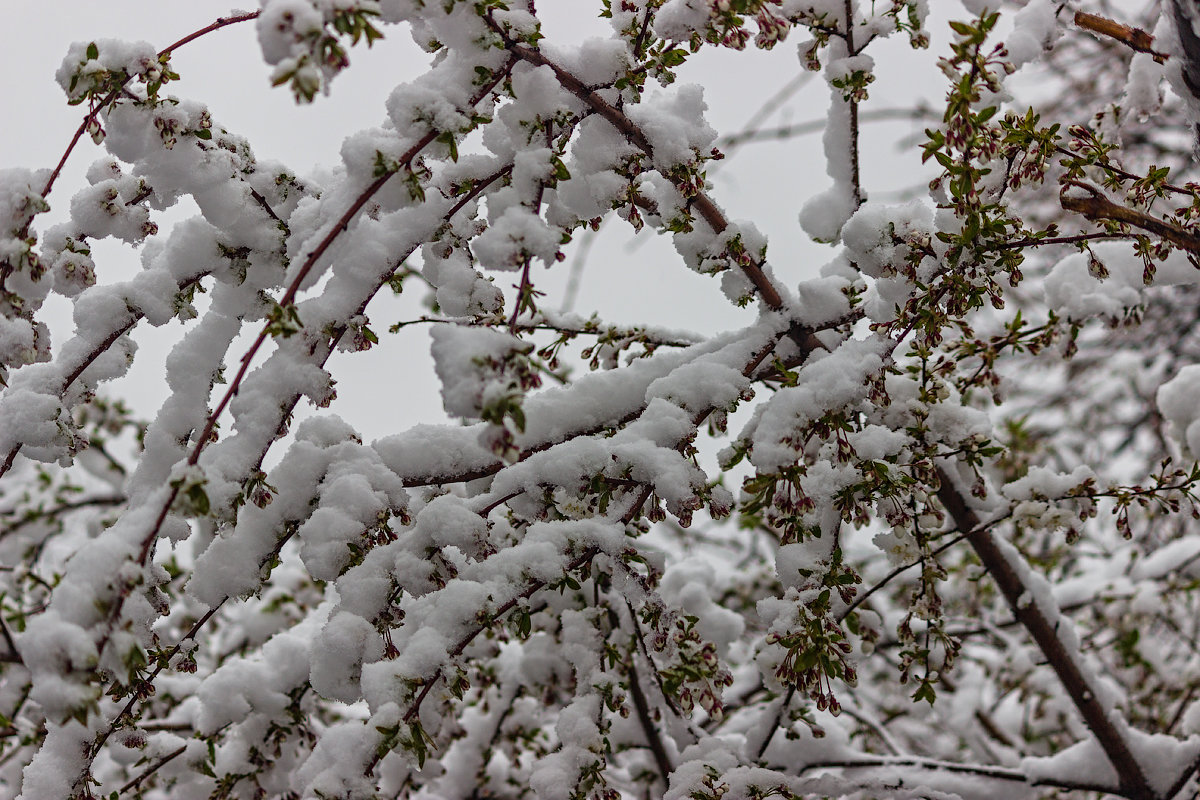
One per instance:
(64, 508)
(862, 598)
(127, 711)
(1190, 190)
(131, 705)
(980, 770)
(221, 22)
(533, 588)
(1098, 208)
(13, 656)
(661, 760)
(537, 585)
(852, 145)
(289, 296)
(741, 137)
(1029, 241)
(86, 362)
(590, 427)
(1134, 784)
(784, 702)
(262, 201)
(1134, 38)
(532, 324)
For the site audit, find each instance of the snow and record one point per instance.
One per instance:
(675, 124)
(355, 584)
(1176, 400)
(879, 238)
(1071, 288)
(831, 382)
(1035, 29)
(518, 234)
(113, 56)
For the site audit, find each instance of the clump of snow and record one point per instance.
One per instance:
(1035, 29)
(79, 72)
(1178, 401)
(879, 238)
(676, 126)
(1076, 291)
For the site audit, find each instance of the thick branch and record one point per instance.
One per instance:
(1098, 208)
(1064, 662)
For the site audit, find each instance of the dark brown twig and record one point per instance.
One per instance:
(150, 770)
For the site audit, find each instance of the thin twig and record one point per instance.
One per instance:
(649, 729)
(817, 125)
(858, 601)
(64, 508)
(701, 203)
(153, 768)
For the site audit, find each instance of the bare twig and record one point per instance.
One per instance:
(1134, 38)
(817, 125)
(150, 770)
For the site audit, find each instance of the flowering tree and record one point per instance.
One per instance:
(947, 550)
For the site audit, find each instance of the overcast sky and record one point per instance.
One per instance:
(641, 281)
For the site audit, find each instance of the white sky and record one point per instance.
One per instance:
(765, 182)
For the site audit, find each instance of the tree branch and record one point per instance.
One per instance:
(91, 117)
(1097, 207)
(1135, 39)
(1066, 665)
(703, 205)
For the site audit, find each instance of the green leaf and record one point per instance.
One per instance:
(560, 169)
(447, 138)
(673, 57)
(199, 499)
(93, 52)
